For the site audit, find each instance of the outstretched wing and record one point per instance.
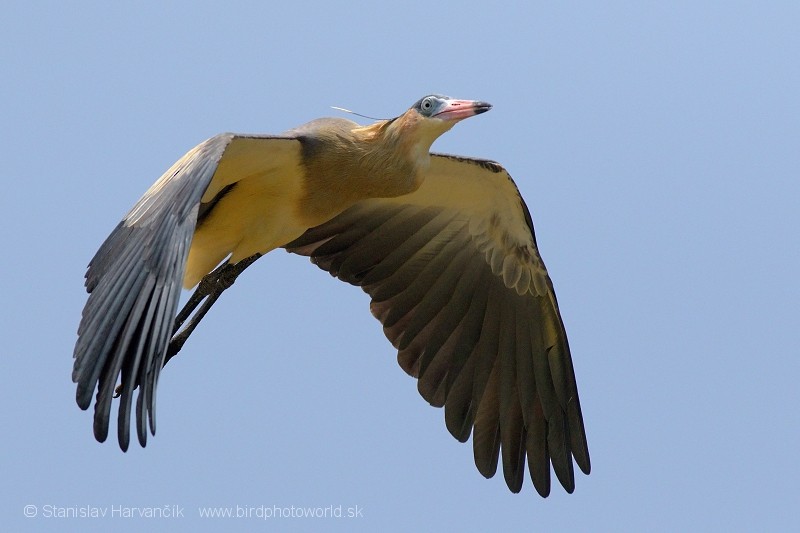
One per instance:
(456, 280)
(135, 278)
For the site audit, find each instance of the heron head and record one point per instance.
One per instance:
(443, 109)
(429, 118)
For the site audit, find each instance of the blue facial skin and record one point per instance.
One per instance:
(430, 105)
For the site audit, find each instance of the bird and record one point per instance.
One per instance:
(444, 246)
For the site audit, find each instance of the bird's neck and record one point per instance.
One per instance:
(392, 154)
(375, 161)
(406, 139)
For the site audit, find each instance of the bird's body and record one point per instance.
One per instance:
(444, 246)
(261, 205)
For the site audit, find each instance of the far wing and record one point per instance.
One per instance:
(456, 280)
(135, 278)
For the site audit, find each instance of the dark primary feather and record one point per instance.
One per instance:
(134, 282)
(497, 360)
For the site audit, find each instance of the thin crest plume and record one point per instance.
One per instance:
(354, 113)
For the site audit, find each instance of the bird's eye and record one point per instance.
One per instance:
(426, 105)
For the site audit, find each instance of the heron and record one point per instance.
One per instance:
(444, 246)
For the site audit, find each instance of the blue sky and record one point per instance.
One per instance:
(656, 143)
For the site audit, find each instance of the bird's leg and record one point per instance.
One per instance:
(208, 291)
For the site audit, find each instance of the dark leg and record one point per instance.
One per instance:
(208, 291)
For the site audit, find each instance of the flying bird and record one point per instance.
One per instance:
(444, 246)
